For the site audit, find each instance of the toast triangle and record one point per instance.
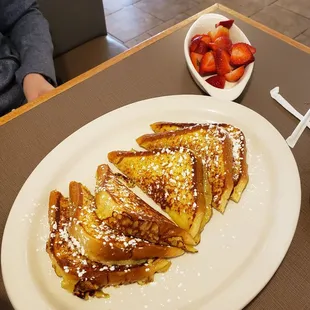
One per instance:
(104, 244)
(173, 178)
(81, 276)
(121, 209)
(212, 145)
(240, 166)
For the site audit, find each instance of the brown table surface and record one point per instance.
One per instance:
(159, 69)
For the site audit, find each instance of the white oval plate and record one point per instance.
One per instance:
(239, 252)
(204, 24)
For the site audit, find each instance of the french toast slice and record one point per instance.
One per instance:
(212, 145)
(173, 178)
(104, 244)
(81, 276)
(122, 210)
(240, 166)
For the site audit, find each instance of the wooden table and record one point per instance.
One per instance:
(157, 68)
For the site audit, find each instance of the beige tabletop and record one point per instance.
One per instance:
(158, 68)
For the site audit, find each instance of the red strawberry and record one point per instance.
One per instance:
(222, 61)
(241, 55)
(234, 75)
(207, 64)
(220, 31)
(213, 46)
(194, 44)
(205, 38)
(224, 43)
(195, 37)
(216, 81)
(252, 48)
(202, 48)
(196, 58)
(226, 23)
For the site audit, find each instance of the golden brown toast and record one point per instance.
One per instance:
(121, 209)
(173, 178)
(212, 145)
(81, 276)
(240, 167)
(104, 244)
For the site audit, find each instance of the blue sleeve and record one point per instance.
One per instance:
(28, 30)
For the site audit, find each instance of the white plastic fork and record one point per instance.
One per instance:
(293, 138)
(274, 93)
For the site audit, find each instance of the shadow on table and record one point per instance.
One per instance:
(4, 299)
(5, 304)
(240, 98)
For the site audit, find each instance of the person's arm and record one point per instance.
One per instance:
(22, 22)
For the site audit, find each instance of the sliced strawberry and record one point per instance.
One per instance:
(216, 81)
(224, 43)
(220, 31)
(194, 44)
(222, 59)
(205, 38)
(195, 37)
(241, 55)
(196, 58)
(252, 48)
(213, 46)
(202, 48)
(234, 75)
(207, 64)
(225, 23)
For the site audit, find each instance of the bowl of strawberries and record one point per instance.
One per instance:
(219, 56)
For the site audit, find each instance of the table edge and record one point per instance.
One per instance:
(86, 75)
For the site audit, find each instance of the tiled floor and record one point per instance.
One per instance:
(133, 21)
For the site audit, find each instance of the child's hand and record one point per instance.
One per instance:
(35, 85)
